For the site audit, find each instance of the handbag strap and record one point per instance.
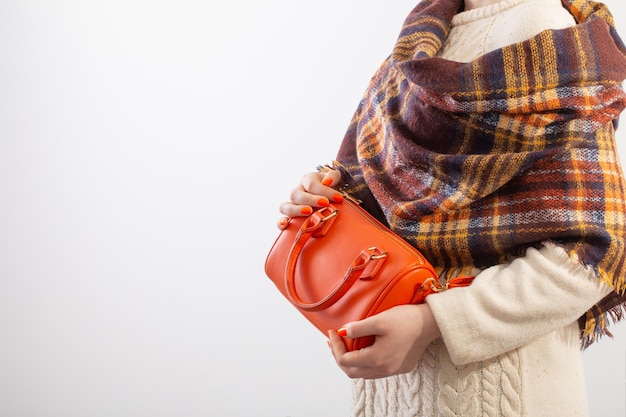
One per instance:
(432, 286)
(364, 265)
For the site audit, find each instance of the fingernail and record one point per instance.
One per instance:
(323, 202)
(283, 222)
(327, 181)
(306, 210)
(343, 332)
(337, 198)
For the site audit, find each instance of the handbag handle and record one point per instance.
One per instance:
(317, 224)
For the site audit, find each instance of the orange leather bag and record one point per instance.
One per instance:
(340, 264)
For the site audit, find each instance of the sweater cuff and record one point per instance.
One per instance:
(509, 305)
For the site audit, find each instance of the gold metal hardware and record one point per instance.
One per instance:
(330, 216)
(374, 257)
(353, 199)
(434, 285)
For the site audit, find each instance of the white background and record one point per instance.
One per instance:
(144, 149)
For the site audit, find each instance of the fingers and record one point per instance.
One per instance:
(316, 185)
(323, 184)
(362, 363)
(306, 197)
(355, 364)
(370, 326)
(400, 339)
(283, 222)
(315, 190)
(332, 178)
(336, 344)
(352, 363)
(295, 210)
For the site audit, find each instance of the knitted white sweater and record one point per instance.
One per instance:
(510, 341)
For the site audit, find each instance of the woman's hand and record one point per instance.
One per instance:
(402, 335)
(315, 190)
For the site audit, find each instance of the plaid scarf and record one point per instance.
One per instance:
(475, 162)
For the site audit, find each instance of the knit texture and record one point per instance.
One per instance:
(475, 162)
(437, 387)
(543, 379)
(479, 31)
(510, 305)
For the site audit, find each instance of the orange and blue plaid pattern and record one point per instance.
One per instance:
(475, 162)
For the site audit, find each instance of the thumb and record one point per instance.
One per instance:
(361, 328)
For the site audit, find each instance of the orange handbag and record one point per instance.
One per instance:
(340, 264)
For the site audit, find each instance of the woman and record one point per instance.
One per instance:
(486, 140)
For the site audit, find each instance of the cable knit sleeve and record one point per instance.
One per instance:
(509, 305)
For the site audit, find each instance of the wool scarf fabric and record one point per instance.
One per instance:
(473, 163)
